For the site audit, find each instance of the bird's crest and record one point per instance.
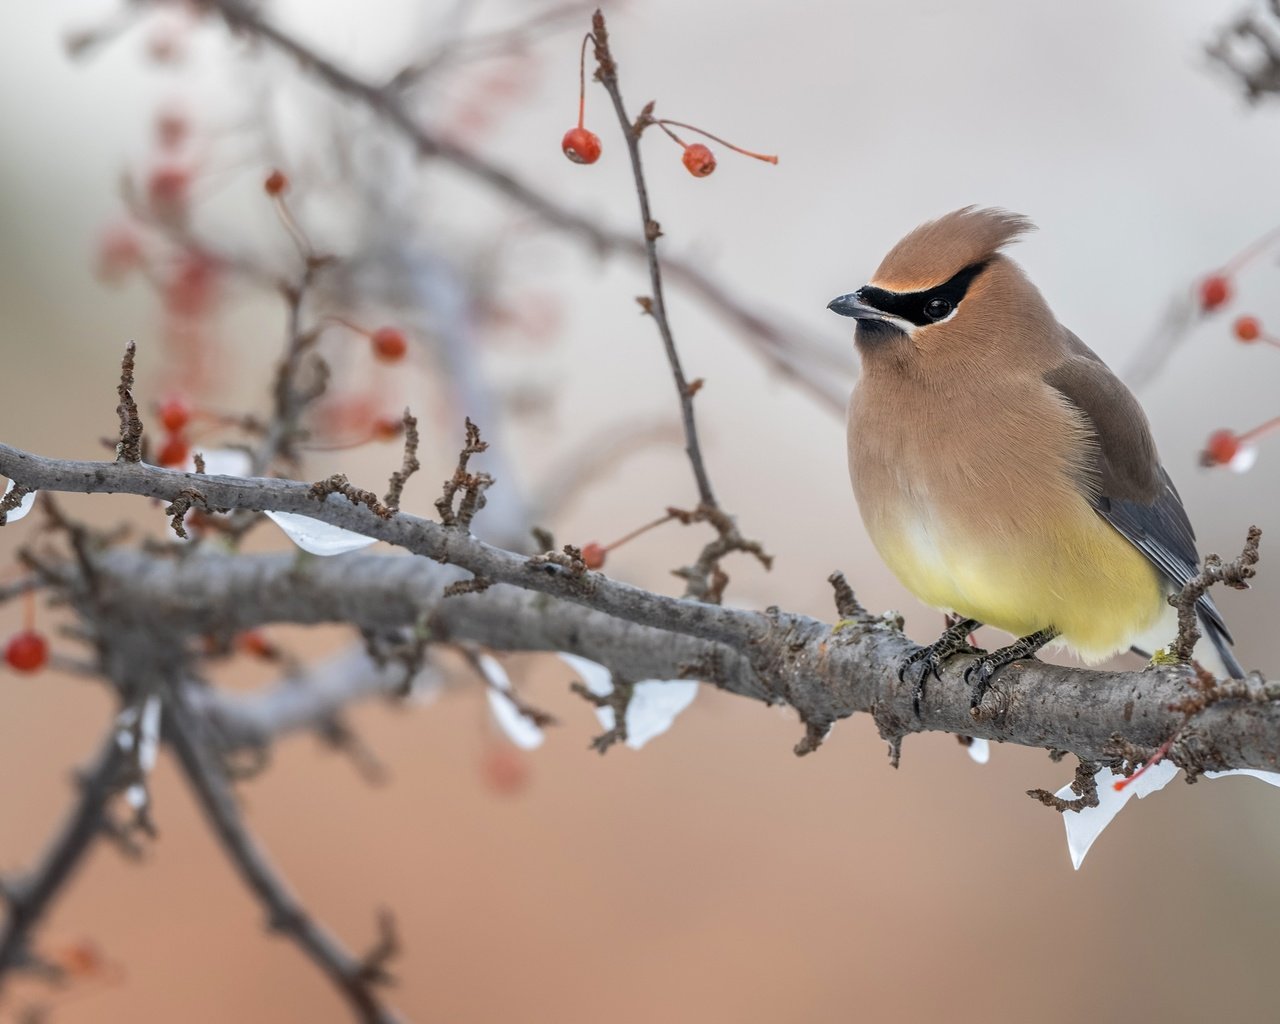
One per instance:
(936, 250)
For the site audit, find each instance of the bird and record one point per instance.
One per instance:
(1003, 472)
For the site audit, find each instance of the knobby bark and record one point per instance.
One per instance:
(826, 673)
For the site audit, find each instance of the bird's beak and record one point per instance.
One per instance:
(852, 305)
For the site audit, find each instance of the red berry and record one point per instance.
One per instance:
(1223, 446)
(505, 770)
(276, 183)
(593, 555)
(26, 651)
(169, 191)
(172, 128)
(581, 146)
(254, 642)
(80, 959)
(119, 252)
(175, 414)
(174, 451)
(1214, 291)
(1248, 328)
(387, 428)
(699, 160)
(192, 286)
(389, 344)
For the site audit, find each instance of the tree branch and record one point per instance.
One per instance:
(29, 897)
(656, 304)
(353, 977)
(785, 347)
(824, 673)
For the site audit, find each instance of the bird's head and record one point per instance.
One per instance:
(946, 292)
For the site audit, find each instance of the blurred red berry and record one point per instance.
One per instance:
(192, 285)
(581, 146)
(119, 253)
(1215, 290)
(387, 428)
(593, 555)
(169, 191)
(175, 414)
(1248, 328)
(166, 45)
(1222, 447)
(699, 160)
(254, 642)
(504, 769)
(80, 959)
(26, 651)
(174, 452)
(172, 128)
(389, 344)
(276, 184)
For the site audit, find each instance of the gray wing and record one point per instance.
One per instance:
(1128, 487)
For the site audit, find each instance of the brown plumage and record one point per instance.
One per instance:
(938, 248)
(1001, 469)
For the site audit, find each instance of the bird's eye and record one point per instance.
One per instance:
(936, 309)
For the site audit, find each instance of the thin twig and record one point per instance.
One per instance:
(472, 485)
(29, 897)
(1235, 574)
(705, 579)
(655, 304)
(351, 975)
(793, 353)
(129, 448)
(409, 464)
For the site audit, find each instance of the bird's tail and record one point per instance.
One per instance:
(1222, 644)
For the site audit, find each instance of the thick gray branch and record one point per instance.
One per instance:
(825, 675)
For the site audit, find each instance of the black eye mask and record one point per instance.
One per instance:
(927, 307)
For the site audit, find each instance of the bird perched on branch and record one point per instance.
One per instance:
(1004, 473)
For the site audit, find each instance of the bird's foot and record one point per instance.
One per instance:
(980, 673)
(924, 661)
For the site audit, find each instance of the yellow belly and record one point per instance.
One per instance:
(1076, 574)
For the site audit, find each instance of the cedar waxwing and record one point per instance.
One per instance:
(1003, 472)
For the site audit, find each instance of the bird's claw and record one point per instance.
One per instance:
(926, 661)
(978, 676)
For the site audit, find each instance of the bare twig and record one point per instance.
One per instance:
(705, 580)
(618, 699)
(786, 347)
(1235, 574)
(28, 897)
(655, 305)
(129, 448)
(408, 466)
(352, 976)
(11, 501)
(472, 485)
(1084, 785)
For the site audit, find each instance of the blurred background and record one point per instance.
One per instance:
(712, 876)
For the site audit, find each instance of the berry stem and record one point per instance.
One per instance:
(1260, 430)
(663, 122)
(29, 612)
(1251, 250)
(1120, 784)
(582, 78)
(637, 532)
(292, 227)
